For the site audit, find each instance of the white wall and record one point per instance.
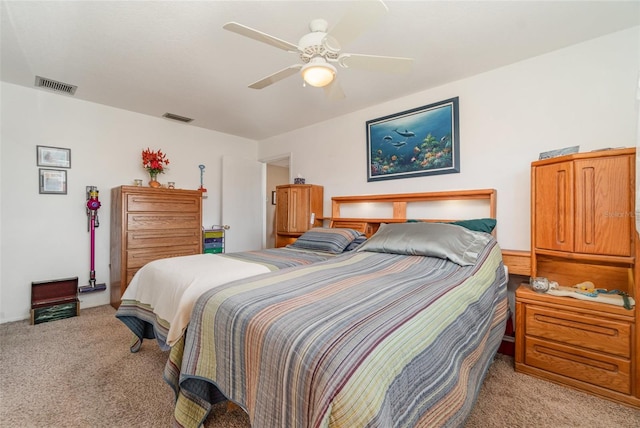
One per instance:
(582, 95)
(45, 236)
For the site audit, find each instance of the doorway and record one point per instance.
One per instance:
(278, 172)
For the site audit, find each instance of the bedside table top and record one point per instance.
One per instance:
(525, 294)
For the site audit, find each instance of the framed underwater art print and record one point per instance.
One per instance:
(416, 142)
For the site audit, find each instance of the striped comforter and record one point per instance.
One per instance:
(361, 340)
(159, 300)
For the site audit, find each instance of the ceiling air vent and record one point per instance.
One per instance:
(43, 82)
(178, 118)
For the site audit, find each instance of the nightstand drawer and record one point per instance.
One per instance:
(598, 334)
(606, 371)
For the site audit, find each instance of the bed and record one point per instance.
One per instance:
(399, 332)
(157, 303)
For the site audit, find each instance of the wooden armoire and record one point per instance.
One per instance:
(149, 224)
(583, 229)
(298, 209)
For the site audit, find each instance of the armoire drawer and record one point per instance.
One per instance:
(137, 239)
(150, 221)
(161, 203)
(595, 368)
(595, 333)
(139, 258)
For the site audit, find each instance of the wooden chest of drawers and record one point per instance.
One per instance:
(149, 224)
(582, 344)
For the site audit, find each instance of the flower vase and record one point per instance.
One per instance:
(153, 182)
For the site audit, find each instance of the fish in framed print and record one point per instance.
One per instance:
(417, 142)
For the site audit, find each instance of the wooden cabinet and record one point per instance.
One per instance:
(582, 219)
(585, 205)
(149, 224)
(298, 209)
(583, 229)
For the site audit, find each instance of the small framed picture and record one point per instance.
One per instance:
(273, 197)
(55, 157)
(53, 181)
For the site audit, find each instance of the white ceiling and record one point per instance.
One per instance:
(173, 56)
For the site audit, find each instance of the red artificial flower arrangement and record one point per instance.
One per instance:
(154, 162)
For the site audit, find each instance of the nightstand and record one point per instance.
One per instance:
(577, 343)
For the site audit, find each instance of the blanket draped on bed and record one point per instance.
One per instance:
(159, 300)
(363, 340)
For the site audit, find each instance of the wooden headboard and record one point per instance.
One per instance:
(399, 203)
(519, 262)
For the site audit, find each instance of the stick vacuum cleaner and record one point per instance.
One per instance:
(93, 204)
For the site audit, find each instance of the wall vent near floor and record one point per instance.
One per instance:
(43, 82)
(177, 117)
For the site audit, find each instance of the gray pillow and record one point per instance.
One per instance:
(445, 241)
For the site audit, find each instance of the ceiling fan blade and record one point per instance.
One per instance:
(243, 30)
(388, 64)
(333, 91)
(276, 77)
(359, 18)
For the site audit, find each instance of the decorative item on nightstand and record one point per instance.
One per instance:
(154, 163)
(299, 180)
(539, 284)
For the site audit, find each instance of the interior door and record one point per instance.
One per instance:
(243, 207)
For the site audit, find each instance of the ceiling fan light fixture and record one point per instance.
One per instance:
(318, 74)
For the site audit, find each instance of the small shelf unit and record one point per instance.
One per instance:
(213, 240)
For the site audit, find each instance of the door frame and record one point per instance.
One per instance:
(284, 159)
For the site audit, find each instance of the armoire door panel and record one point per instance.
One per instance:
(554, 207)
(603, 208)
(282, 211)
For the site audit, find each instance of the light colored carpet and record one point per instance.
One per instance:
(78, 372)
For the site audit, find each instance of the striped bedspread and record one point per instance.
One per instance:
(159, 300)
(362, 340)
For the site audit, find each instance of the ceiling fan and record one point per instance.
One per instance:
(320, 49)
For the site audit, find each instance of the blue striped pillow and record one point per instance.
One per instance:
(325, 240)
(356, 243)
